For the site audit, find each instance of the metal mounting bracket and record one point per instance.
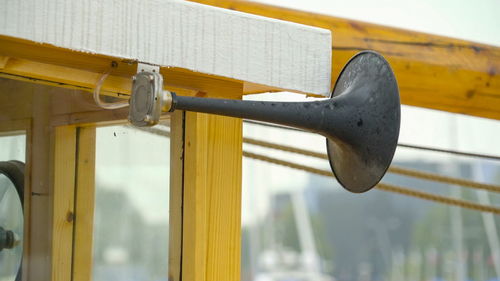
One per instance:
(148, 97)
(144, 67)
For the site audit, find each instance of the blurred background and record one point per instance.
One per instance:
(375, 235)
(300, 226)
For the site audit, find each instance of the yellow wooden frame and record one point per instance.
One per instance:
(73, 203)
(206, 154)
(84, 204)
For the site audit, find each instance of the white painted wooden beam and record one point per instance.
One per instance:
(180, 34)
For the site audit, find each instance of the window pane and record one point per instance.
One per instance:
(132, 205)
(13, 148)
(300, 226)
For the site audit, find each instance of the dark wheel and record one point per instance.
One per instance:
(11, 219)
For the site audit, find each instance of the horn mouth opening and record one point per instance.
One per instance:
(368, 92)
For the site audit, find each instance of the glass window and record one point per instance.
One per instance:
(132, 204)
(13, 147)
(301, 226)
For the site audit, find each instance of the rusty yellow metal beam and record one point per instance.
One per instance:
(432, 71)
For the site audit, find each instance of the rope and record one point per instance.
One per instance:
(285, 148)
(392, 169)
(444, 179)
(455, 152)
(382, 186)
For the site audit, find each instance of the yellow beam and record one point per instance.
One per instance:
(62, 76)
(432, 71)
(47, 64)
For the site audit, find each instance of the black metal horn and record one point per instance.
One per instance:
(360, 120)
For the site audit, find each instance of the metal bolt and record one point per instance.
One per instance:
(17, 240)
(147, 118)
(8, 239)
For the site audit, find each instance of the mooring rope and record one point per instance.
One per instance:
(392, 169)
(449, 151)
(381, 186)
(412, 146)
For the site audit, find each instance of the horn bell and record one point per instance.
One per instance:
(361, 146)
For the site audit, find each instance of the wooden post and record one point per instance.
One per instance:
(224, 198)
(40, 237)
(84, 205)
(176, 186)
(211, 231)
(63, 202)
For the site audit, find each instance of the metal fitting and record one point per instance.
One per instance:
(167, 101)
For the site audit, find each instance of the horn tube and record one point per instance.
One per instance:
(360, 120)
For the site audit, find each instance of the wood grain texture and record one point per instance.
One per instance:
(49, 65)
(3, 61)
(212, 198)
(224, 210)
(47, 244)
(181, 34)
(40, 236)
(432, 71)
(63, 202)
(194, 232)
(61, 76)
(84, 205)
(176, 195)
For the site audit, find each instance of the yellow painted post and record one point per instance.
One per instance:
(194, 251)
(176, 186)
(63, 202)
(211, 247)
(84, 205)
(224, 204)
